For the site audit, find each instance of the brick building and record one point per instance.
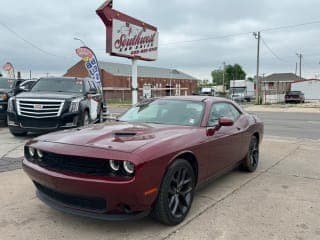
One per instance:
(116, 80)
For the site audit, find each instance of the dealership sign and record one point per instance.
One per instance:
(131, 41)
(128, 36)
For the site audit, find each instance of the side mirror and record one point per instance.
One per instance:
(222, 122)
(23, 89)
(225, 122)
(92, 91)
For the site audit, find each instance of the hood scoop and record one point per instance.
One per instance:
(124, 134)
(131, 136)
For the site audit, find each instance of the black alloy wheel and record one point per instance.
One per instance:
(176, 193)
(251, 161)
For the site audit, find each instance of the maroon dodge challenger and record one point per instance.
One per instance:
(150, 160)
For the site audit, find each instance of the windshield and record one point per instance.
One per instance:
(6, 83)
(58, 85)
(163, 111)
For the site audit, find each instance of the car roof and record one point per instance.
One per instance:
(71, 78)
(198, 98)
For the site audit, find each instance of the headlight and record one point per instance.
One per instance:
(31, 151)
(114, 165)
(128, 167)
(39, 153)
(3, 97)
(10, 104)
(74, 106)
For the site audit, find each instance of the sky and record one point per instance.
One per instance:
(195, 37)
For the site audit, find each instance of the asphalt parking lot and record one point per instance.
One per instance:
(279, 201)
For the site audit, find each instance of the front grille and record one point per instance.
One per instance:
(89, 166)
(50, 123)
(89, 203)
(39, 108)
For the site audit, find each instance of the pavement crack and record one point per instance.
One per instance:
(207, 197)
(212, 205)
(12, 150)
(304, 177)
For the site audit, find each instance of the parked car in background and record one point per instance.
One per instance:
(8, 88)
(55, 103)
(151, 159)
(294, 96)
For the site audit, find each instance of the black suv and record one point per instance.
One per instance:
(55, 103)
(9, 87)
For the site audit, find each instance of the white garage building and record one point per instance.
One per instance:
(310, 88)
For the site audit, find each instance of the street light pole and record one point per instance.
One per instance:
(78, 39)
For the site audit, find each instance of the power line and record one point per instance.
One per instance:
(290, 26)
(208, 38)
(272, 52)
(245, 33)
(29, 42)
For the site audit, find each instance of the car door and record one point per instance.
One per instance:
(223, 146)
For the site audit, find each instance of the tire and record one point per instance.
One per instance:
(176, 194)
(85, 119)
(251, 161)
(18, 133)
(100, 116)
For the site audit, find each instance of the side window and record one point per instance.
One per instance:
(219, 110)
(235, 112)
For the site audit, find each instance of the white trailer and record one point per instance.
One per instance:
(242, 90)
(310, 88)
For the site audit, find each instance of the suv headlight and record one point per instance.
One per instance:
(74, 106)
(10, 104)
(3, 97)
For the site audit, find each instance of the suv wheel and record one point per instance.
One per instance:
(85, 118)
(100, 116)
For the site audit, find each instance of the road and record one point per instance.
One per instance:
(281, 124)
(291, 124)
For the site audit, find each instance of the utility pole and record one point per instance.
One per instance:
(300, 63)
(223, 79)
(257, 36)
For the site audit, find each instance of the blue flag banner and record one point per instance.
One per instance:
(91, 63)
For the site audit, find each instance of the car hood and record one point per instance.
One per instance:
(49, 95)
(2, 90)
(120, 136)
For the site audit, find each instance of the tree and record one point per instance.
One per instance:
(231, 72)
(217, 77)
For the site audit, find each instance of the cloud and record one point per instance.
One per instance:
(183, 26)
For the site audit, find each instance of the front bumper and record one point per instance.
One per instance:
(3, 111)
(124, 198)
(111, 217)
(66, 120)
